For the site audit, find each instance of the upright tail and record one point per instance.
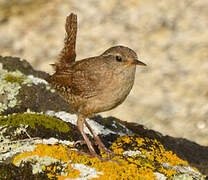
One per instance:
(68, 53)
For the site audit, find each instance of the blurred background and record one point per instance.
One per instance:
(170, 95)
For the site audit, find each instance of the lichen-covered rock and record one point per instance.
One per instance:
(39, 138)
(10, 171)
(23, 88)
(170, 94)
(47, 144)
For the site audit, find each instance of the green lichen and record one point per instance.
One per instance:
(183, 177)
(10, 85)
(9, 88)
(13, 79)
(34, 120)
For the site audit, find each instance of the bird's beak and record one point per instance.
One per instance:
(137, 62)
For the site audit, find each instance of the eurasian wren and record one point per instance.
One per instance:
(94, 84)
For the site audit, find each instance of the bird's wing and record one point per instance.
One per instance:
(83, 78)
(87, 77)
(61, 78)
(68, 53)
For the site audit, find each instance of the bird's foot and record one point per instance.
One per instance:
(106, 151)
(80, 142)
(83, 142)
(109, 153)
(88, 154)
(103, 149)
(101, 146)
(93, 154)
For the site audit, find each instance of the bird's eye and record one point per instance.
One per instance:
(118, 58)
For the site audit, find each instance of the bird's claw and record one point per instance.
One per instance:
(107, 151)
(81, 142)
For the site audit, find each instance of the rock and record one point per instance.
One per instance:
(28, 87)
(170, 94)
(38, 135)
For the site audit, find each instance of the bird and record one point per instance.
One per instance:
(95, 84)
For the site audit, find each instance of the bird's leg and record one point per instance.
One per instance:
(80, 124)
(98, 140)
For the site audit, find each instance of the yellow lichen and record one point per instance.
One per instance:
(72, 173)
(13, 79)
(152, 154)
(118, 169)
(151, 159)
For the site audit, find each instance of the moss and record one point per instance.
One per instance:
(12, 79)
(34, 120)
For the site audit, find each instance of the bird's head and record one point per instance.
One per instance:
(122, 55)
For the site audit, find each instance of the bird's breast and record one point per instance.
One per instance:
(122, 84)
(114, 92)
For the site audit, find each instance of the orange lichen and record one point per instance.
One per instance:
(118, 169)
(151, 158)
(152, 154)
(56, 151)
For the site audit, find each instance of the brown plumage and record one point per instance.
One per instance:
(94, 84)
(68, 53)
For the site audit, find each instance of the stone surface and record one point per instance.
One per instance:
(170, 36)
(38, 137)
